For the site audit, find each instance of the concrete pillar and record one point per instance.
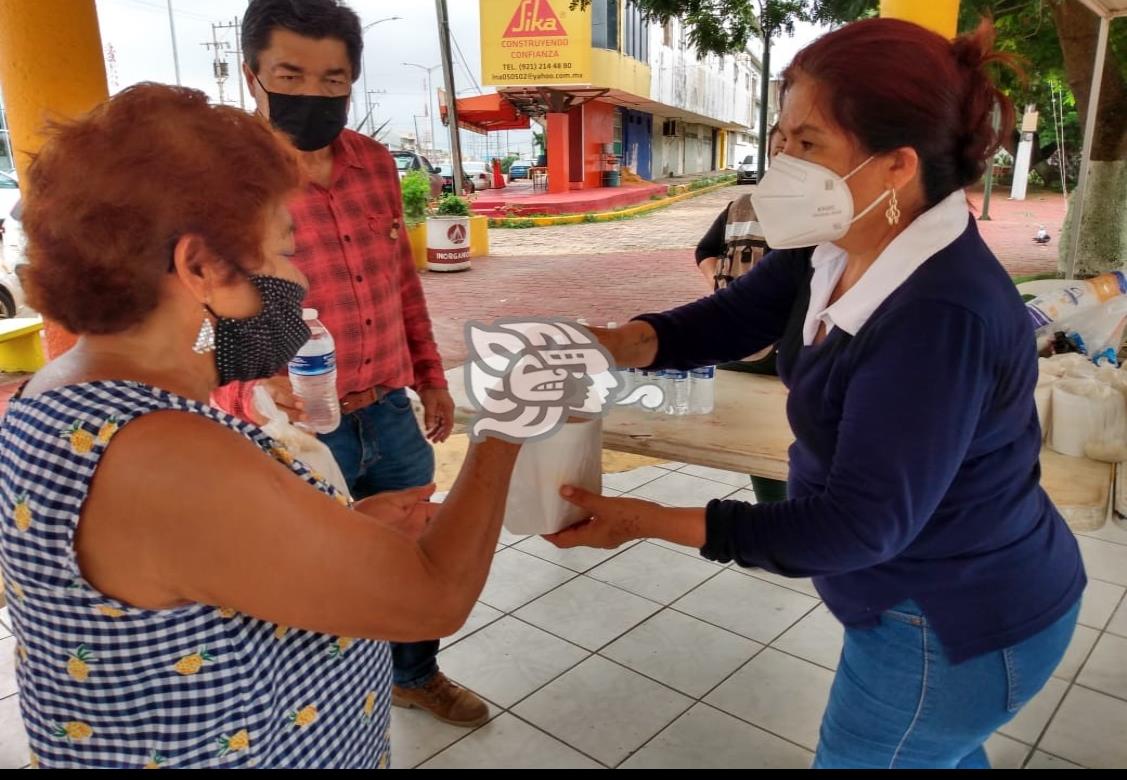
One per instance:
(559, 152)
(942, 16)
(51, 67)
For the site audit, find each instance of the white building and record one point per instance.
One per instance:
(708, 115)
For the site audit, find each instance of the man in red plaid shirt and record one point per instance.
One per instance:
(302, 57)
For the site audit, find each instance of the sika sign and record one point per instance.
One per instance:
(527, 43)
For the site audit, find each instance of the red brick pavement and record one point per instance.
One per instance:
(599, 288)
(1013, 224)
(615, 287)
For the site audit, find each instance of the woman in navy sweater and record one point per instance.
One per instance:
(915, 501)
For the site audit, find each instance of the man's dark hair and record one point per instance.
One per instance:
(309, 18)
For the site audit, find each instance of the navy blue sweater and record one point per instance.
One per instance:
(915, 474)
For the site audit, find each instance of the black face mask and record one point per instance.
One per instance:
(312, 121)
(259, 347)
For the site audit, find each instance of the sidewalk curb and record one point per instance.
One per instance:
(605, 216)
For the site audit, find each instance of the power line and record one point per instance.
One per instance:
(465, 65)
(159, 7)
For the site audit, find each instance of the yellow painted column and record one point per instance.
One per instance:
(942, 16)
(51, 67)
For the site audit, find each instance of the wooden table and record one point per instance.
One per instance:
(748, 433)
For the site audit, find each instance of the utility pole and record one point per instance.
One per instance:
(363, 67)
(219, 65)
(452, 109)
(373, 106)
(175, 52)
(988, 186)
(111, 67)
(430, 94)
(236, 25)
(764, 96)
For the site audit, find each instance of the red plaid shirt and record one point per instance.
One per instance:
(352, 245)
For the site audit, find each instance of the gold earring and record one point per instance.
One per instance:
(893, 212)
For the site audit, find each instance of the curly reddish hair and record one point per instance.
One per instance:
(109, 194)
(891, 83)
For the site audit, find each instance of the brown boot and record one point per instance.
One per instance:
(443, 699)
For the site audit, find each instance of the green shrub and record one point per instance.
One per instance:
(416, 192)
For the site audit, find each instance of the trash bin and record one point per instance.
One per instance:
(448, 243)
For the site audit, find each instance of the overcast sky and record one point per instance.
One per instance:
(138, 31)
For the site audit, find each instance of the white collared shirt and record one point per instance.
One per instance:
(932, 231)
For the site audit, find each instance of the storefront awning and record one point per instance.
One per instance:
(485, 113)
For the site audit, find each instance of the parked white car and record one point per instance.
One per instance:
(9, 193)
(12, 300)
(480, 173)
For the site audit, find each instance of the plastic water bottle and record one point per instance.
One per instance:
(702, 390)
(313, 376)
(677, 397)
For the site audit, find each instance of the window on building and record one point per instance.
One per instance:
(636, 32)
(604, 24)
(667, 34)
(629, 32)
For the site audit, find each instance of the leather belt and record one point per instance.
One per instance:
(354, 402)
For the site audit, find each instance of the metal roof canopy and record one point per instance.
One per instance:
(1106, 10)
(538, 101)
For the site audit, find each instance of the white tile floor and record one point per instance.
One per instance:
(649, 657)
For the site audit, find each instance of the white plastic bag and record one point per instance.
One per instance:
(571, 456)
(1088, 418)
(303, 446)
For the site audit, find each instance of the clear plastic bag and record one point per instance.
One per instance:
(1098, 332)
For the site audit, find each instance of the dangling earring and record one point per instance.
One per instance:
(205, 339)
(893, 212)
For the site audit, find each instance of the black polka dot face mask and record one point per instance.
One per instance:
(259, 347)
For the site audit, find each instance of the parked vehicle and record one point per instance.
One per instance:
(12, 252)
(407, 161)
(521, 169)
(748, 172)
(480, 173)
(446, 171)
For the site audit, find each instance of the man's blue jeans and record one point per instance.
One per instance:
(381, 448)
